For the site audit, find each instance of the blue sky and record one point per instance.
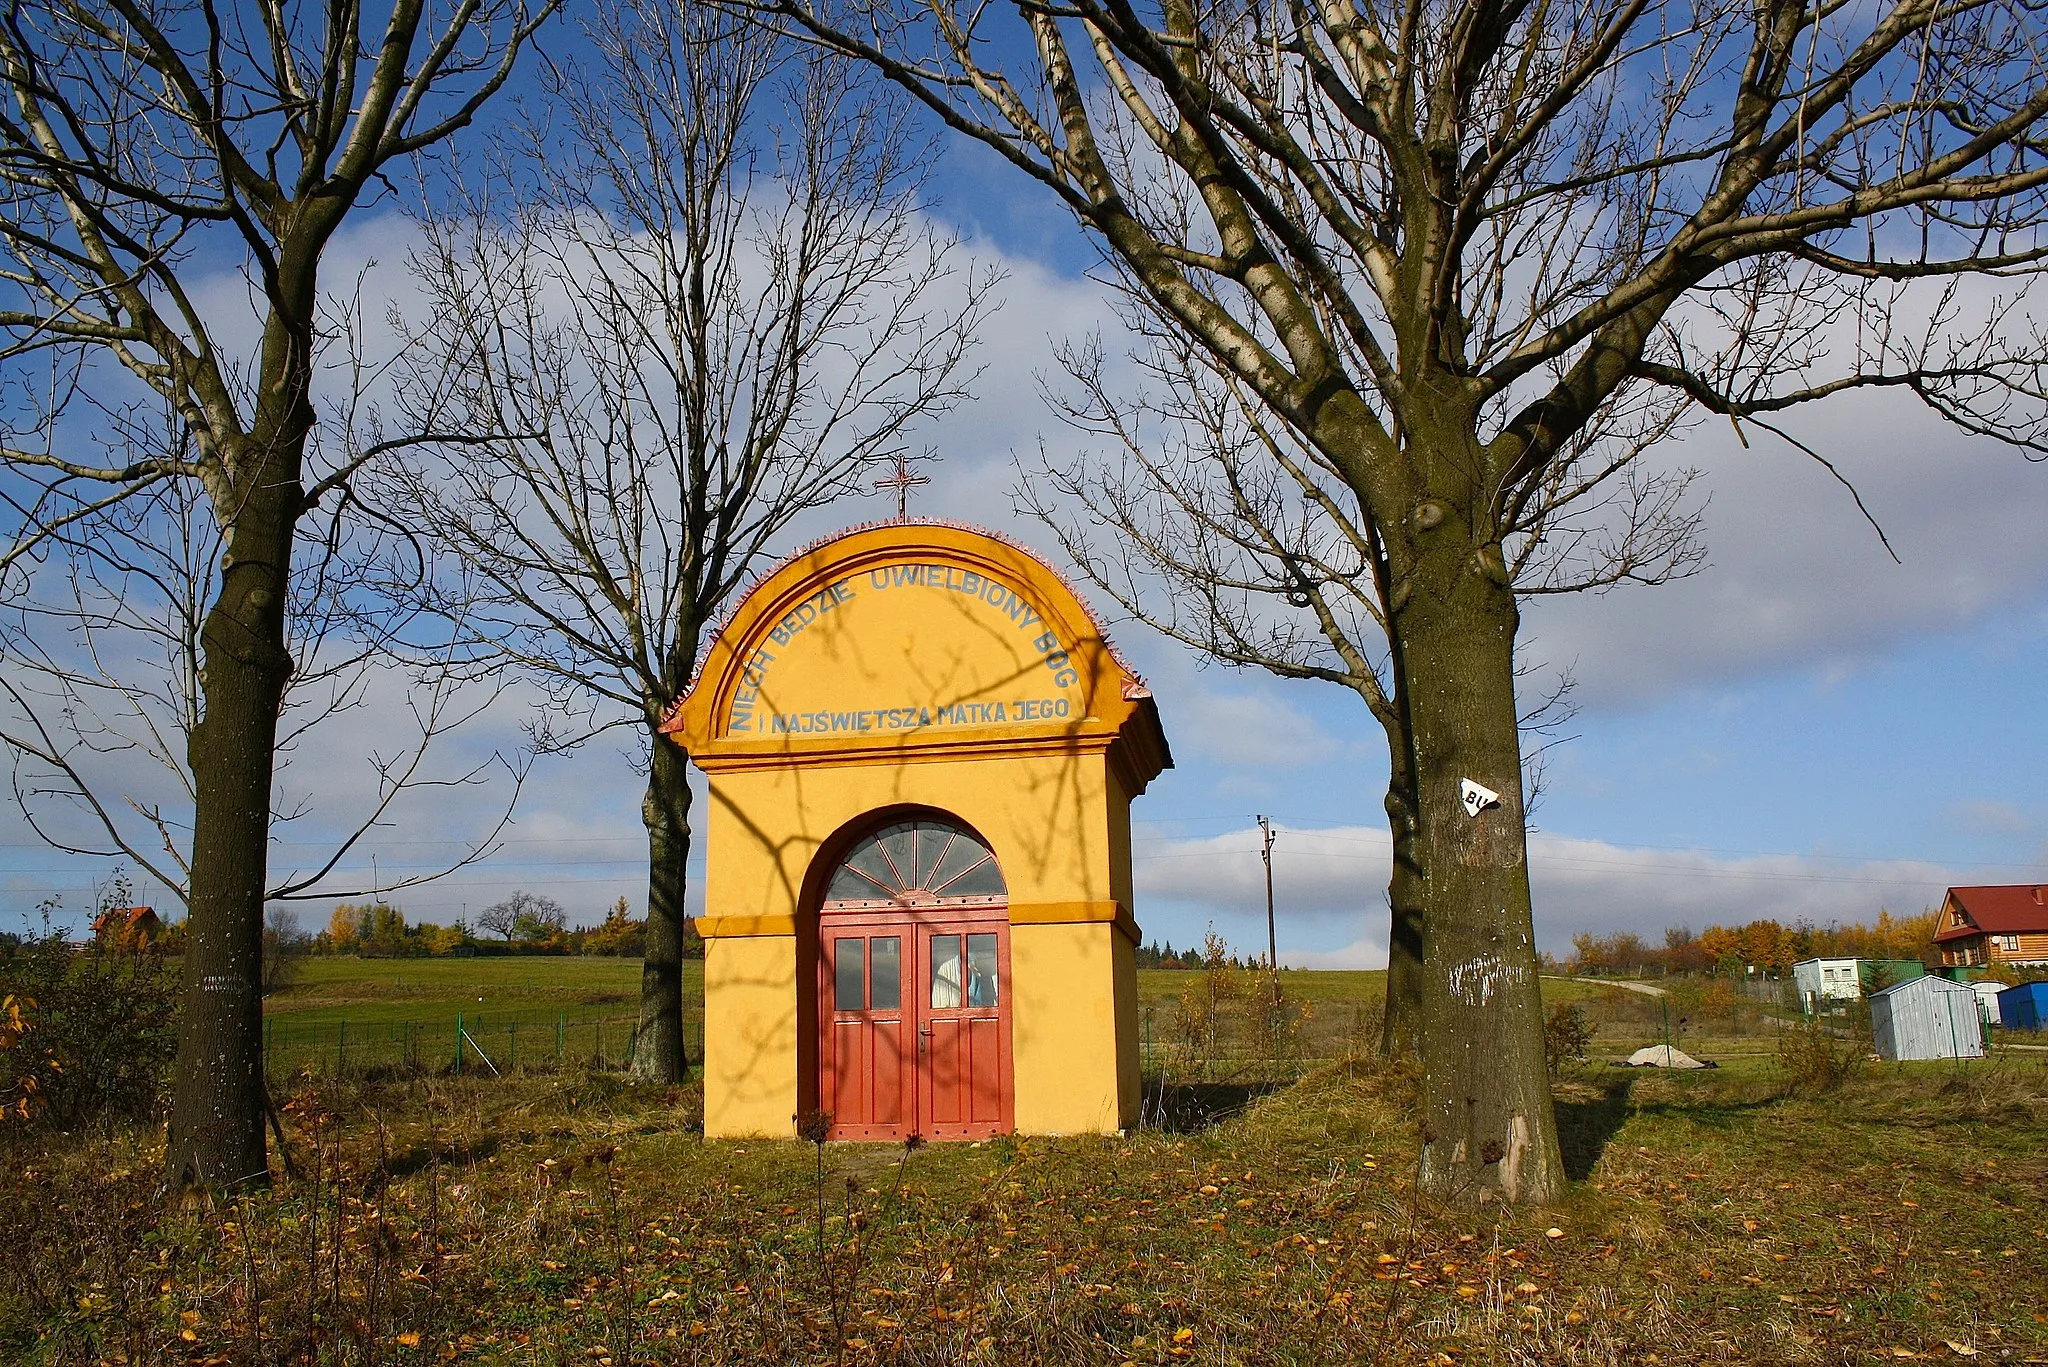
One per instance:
(1805, 730)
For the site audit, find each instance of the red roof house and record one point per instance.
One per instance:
(1994, 925)
(129, 928)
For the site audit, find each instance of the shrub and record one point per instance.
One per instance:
(1567, 1031)
(444, 940)
(98, 1031)
(1815, 1059)
(1234, 1011)
(1368, 1027)
(23, 1063)
(620, 934)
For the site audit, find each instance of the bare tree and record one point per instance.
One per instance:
(284, 949)
(703, 307)
(1212, 521)
(525, 916)
(146, 152)
(498, 918)
(101, 630)
(1439, 239)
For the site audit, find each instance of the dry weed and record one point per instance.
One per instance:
(555, 1221)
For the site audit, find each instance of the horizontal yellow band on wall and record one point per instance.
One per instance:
(1021, 914)
(1062, 913)
(1074, 913)
(714, 927)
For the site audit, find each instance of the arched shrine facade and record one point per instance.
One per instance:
(921, 752)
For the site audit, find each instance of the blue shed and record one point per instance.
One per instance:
(2024, 1007)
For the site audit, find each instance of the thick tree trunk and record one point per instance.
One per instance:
(1488, 1130)
(216, 1129)
(659, 1054)
(1401, 1027)
(1401, 1033)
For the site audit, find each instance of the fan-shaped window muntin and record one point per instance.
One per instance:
(920, 861)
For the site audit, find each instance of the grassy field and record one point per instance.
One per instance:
(1715, 1218)
(387, 990)
(530, 1012)
(357, 1014)
(1342, 1010)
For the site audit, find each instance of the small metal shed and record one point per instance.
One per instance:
(1987, 1001)
(1926, 1018)
(2024, 1007)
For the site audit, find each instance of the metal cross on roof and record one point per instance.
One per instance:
(902, 481)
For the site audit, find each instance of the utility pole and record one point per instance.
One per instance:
(1273, 1027)
(1272, 939)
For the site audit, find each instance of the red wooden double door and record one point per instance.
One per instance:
(913, 987)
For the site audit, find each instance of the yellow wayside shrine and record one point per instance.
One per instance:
(922, 753)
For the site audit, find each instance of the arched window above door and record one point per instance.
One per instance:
(918, 862)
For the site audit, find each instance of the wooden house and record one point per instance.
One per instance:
(128, 928)
(1993, 925)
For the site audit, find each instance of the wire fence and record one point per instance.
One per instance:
(483, 1044)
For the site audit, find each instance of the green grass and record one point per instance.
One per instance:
(562, 1215)
(1337, 991)
(329, 988)
(385, 991)
(361, 1013)
(1322, 987)
(373, 991)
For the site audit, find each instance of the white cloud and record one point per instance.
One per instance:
(1991, 816)
(1329, 889)
(1316, 873)
(1365, 953)
(1254, 725)
(1797, 579)
(1597, 886)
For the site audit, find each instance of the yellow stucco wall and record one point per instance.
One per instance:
(1050, 823)
(842, 689)
(1117, 811)
(1128, 1079)
(750, 1041)
(1045, 816)
(1064, 1030)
